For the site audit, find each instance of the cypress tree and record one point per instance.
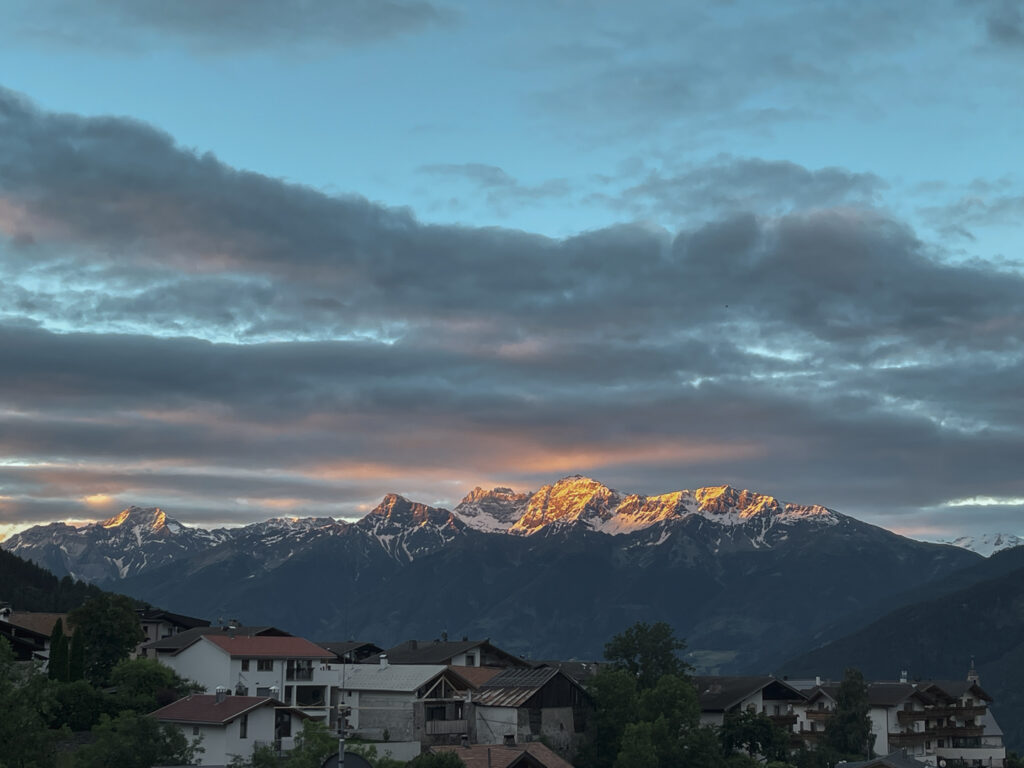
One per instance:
(76, 661)
(58, 666)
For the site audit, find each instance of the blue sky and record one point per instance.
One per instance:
(664, 244)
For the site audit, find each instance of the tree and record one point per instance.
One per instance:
(110, 631)
(312, 744)
(57, 668)
(76, 654)
(848, 731)
(132, 740)
(648, 651)
(78, 705)
(27, 742)
(144, 685)
(755, 733)
(614, 694)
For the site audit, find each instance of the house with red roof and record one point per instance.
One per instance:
(286, 668)
(233, 725)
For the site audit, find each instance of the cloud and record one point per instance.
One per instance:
(500, 190)
(225, 25)
(728, 184)
(179, 332)
(1004, 22)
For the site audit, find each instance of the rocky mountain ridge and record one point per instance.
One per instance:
(140, 538)
(746, 578)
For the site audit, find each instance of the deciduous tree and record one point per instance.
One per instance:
(649, 651)
(110, 631)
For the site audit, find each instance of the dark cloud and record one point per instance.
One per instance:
(179, 332)
(1004, 23)
(225, 25)
(729, 184)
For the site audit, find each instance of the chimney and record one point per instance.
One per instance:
(903, 675)
(383, 659)
(817, 680)
(510, 739)
(220, 693)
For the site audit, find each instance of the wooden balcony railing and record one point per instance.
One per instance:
(445, 727)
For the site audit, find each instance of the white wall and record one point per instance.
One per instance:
(492, 723)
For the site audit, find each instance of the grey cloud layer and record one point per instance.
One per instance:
(827, 355)
(214, 27)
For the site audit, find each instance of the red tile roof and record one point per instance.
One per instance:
(475, 676)
(204, 708)
(269, 647)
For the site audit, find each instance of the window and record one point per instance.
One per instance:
(245, 665)
(470, 659)
(265, 665)
(288, 694)
(282, 725)
(243, 727)
(535, 720)
(195, 730)
(263, 691)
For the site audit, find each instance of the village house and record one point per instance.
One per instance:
(288, 668)
(937, 722)
(528, 704)
(460, 653)
(381, 698)
(229, 726)
(159, 625)
(720, 695)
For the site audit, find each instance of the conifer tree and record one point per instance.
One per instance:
(57, 668)
(76, 657)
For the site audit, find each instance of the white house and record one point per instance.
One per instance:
(232, 725)
(291, 669)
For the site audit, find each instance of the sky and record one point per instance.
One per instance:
(278, 259)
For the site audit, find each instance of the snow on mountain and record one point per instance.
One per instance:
(132, 540)
(986, 544)
(407, 529)
(139, 539)
(493, 511)
(579, 500)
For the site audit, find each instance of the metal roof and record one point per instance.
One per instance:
(389, 677)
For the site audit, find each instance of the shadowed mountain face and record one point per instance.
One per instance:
(746, 578)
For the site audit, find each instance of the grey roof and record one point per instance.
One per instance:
(955, 688)
(390, 677)
(521, 677)
(514, 686)
(988, 722)
(184, 639)
(580, 671)
(721, 692)
(155, 614)
(429, 652)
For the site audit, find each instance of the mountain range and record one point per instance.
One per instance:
(749, 580)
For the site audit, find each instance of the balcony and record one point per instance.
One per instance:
(786, 721)
(906, 716)
(818, 714)
(908, 739)
(446, 727)
(959, 731)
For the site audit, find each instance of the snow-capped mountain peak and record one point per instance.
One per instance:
(152, 517)
(986, 544)
(493, 511)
